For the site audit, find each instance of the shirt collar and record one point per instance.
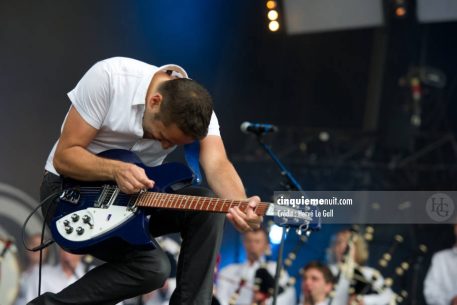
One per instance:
(140, 95)
(257, 263)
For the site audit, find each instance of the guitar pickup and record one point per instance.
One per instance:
(71, 196)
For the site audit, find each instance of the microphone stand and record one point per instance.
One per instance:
(291, 184)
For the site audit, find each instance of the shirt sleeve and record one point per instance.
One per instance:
(91, 96)
(433, 283)
(384, 296)
(213, 128)
(224, 288)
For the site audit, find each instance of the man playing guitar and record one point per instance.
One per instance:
(127, 104)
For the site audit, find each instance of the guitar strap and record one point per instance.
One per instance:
(192, 156)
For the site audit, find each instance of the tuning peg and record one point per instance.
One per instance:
(399, 238)
(388, 282)
(423, 248)
(405, 266)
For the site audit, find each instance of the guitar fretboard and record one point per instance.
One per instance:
(194, 203)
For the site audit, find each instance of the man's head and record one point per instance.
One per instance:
(256, 244)
(341, 242)
(317, 281)
(178, 112)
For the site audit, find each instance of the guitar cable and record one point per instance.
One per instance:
(42, 245)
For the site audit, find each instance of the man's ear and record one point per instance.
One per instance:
(155, 101)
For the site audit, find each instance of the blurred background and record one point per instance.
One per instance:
(364, 94)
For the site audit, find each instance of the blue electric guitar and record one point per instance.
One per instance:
(95, 215)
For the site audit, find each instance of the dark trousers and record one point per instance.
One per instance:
(131, 272)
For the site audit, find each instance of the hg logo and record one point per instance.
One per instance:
(440, 207)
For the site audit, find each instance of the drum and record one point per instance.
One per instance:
(9, 272)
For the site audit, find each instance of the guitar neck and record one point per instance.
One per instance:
(194, 203)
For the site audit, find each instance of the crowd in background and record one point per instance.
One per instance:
(344, 279)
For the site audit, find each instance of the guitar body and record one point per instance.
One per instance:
(96, 216)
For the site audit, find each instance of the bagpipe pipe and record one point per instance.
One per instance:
(263, 286)
(361, 280)
(374, 283)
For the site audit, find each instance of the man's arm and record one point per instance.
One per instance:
(72, 159)
(225, 182)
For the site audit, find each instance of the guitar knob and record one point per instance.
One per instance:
(86, 219)
(79, 230)
(66, 222)
(75, 217)
(68, 229)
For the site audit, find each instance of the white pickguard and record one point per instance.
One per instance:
(102, 220)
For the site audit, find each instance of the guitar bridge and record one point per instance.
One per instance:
(107, 196)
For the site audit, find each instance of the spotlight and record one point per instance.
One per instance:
(271, 4)
(400, 8)
(272, 15)
(275, 234)
(273, 26)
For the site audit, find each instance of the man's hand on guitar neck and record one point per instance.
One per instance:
(247, 220)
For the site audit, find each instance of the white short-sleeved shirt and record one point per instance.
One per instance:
(230, 277)
(440, 285)
(111, 98)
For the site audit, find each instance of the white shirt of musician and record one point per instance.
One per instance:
(440, 285)
(341, 297)
(111, 98)
(53, 279)
(229, 278)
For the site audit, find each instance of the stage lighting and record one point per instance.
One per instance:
(273, 26)
(400, 8)
(271, 4)
(275, 234)
(272, 15)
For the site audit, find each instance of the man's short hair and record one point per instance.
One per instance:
(260, 230)
(187, 104)
(328, 276)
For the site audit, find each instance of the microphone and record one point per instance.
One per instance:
(257, 128)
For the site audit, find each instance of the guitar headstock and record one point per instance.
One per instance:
(284, 216)
(301, 217)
